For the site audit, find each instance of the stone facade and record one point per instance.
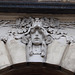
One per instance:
(38, 38)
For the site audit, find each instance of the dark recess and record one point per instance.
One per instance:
(37, 68)
(37, 7)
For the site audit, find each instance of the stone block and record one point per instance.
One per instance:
(68, 61)
(4, 60)
(16, 50)
(55, 51)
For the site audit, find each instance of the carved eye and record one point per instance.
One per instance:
(32, 30)
(40, 31)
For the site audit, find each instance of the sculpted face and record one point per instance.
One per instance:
(36, 37)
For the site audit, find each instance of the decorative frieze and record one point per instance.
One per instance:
(18, 28)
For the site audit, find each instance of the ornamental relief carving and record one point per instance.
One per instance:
(36, 34)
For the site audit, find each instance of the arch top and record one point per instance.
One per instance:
(32, 68)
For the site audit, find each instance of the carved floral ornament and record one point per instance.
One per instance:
(26, 25)
(50, 27)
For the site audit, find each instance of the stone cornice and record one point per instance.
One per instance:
(37, 7)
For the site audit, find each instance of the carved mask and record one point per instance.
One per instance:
(36, 36)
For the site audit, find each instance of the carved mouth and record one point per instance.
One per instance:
(37, 38)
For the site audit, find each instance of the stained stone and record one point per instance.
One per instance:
(16, 50)
(55, 51)
(4, 61)
(68, 61)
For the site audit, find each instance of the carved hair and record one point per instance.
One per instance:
(29, 47)
(43, 50)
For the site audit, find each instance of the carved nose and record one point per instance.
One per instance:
(36, 33)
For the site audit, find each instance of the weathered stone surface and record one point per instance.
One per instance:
(4, 61)
(16, 50)
(68, 61)
(55, 51)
